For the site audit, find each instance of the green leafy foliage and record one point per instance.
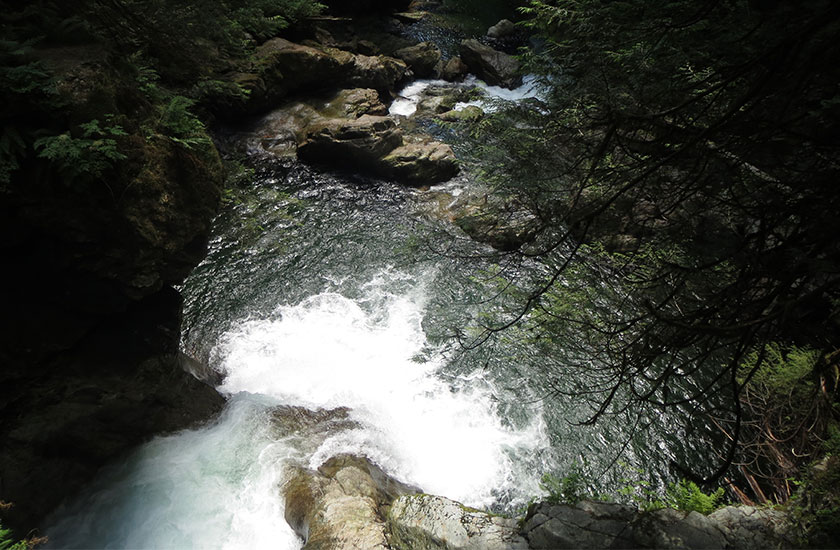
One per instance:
(816, 504)
(181, 126)
(684, 142)
(7, 541)
(688, 497)
(265, 18)
(25, 84)
(790, 416)
(91, 155)
(781, 369)
(569, 489)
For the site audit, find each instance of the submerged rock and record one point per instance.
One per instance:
(503, 224)
(470, 113)
(494, 67)
(427, 522)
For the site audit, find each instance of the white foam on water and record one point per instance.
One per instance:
(409, 97)
(331, 351)
(529, 89)
(219, 486)
(215, 487)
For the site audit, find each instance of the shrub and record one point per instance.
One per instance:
(688, 497)
(92, 154)
(569, 489)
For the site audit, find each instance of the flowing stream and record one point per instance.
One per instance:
(329, 295)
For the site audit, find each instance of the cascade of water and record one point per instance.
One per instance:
(219, 486)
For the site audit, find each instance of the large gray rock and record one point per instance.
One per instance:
(421, 163)
(454, 70)
(503, 28)
(284, 68)
(749, 527)
(591, 525)
(359, 142)
(422, 58)
(380, 72)
(348, 129)
(426, 522)
(586, 525)
(500, 222)
(494, 67)
(341, 506)
(355, 103)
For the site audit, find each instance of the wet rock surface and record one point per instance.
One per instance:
(348, 129)
(607, 525)
(359, 142)
(427, 522)
(494, 67)
(341, 506)
(284, 68)
(91, 325)
(423, 59)
(454, 70)
(423, 162)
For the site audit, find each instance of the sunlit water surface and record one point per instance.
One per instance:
(331, 291)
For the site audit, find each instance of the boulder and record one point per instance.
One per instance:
(470, 113)
(502, 223)
(341, 505)
(750, 527)
(380, 72)
(410, 17)
(348, 129)
(454, 70)
(494, 67)
(503, 28)
(285, 68)
(359, 142)
(427, 522)
(354, 103)
(422, 163)
(591, 525)
(280, 131)
(422, 59)
(434, 105)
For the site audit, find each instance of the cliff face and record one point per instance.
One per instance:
(91, 324)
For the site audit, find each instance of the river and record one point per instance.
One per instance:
(334, 292)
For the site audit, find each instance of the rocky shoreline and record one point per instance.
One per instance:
(350, 503)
